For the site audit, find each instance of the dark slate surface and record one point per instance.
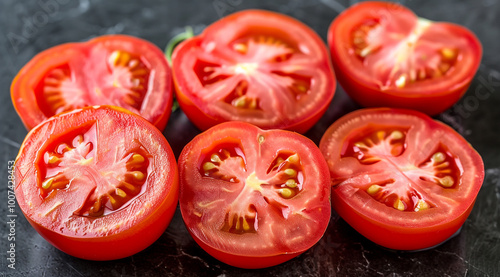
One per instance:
(27, 28)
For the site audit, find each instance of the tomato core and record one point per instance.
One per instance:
(376, 143)
(126, 81)
(252, 65)
(227, 162)
(407, 59)
(116, 185)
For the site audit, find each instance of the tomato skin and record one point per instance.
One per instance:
(252, 23)
(132, 228)
(204, 120)
(394, 237)
(263, 246)
(430, 96)
(200, 119)
(370, 97)
(381, 223)
(242, 261)
(157, 102)
(125, 244)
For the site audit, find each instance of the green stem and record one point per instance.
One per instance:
(169, 49)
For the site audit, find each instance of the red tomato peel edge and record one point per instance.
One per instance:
(253, 198)
(116, 70)
(401, 179)
(99, 183)
(385, 56)
(256, 66)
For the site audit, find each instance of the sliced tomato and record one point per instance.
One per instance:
(113, 70)
(99, 183)
(400, 178)
(384, 55)
(253, 198)
(255, 66)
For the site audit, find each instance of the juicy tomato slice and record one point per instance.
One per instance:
(99, 183)
(400, 178)
(255, 66)
(253, 198)
(113, 70)
(384, 55)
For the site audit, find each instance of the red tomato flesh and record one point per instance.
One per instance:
(113, 70)
(255, 66)
(384, 55)
(400, 178)
(253, 198)
(99, 183)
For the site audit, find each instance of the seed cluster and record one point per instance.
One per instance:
(66, 163)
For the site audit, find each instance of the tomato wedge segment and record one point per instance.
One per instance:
(255, 66)
(400, 178)
(113, 70)
(99, 183)
(253, 198)
(384, 55)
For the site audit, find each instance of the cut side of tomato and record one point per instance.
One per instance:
(99, 183)
(254, 198)
(384, 55)
(113, 70)
(401, 179)
(255, 66)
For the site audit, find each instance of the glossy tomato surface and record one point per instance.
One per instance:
(253, 198)
(400, 178)
(385, 56)
(99, 183)
(256, 66)
(113, 70)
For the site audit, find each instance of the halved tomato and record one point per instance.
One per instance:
(255, 66)
(385, 56)
(253, 198)
(99, 183)
(113, 70)
(400, 178)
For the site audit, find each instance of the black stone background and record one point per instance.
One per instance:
(26, 28)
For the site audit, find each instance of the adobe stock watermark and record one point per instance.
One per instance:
(391, 9)
(11, 217)
(486, 87)
(32, 24)
(223, 7)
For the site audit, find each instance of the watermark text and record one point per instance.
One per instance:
(32, 24)
(223, 7)
(11, 217)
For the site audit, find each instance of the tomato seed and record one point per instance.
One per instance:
(446, 181)
(438, 157)
(120, 192)
(208, 166)
(373, 189)
(290, 172)
(286, 192)
(291, 183)
(399, 205)
(215, 158)
(396, 135)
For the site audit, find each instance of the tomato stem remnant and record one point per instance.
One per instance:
(169, 49)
